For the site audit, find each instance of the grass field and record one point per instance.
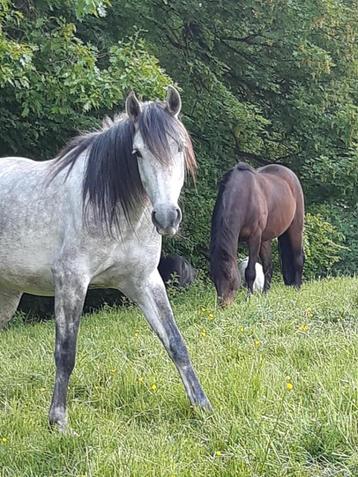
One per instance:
(281, 372)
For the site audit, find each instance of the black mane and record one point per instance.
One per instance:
(111, 176)
(223, 240)
(220, 232)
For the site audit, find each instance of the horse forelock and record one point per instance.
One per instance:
(112, 176)
(156, 125)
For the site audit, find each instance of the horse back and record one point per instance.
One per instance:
(276, 174)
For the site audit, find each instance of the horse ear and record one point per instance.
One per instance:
(173, 101)
(133, 107)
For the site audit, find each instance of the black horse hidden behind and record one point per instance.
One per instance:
(175, 271)
(256, 206)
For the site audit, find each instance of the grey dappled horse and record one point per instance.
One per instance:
(94, 217)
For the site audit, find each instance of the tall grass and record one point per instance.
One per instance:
(280, 370)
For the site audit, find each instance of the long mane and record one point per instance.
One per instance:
(223, 240)
(111, 180)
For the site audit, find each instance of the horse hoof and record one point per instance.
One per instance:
(62, 428)
(204, 405)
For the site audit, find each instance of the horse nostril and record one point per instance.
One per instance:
(179, 215)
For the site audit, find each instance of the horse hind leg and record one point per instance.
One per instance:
(286, 256)
(292, 255)
(296, 238)
(9, 300)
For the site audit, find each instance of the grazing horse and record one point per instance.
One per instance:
(177, 267)
(259, 282)
(93, 217)
(255, 206)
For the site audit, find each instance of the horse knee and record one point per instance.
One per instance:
(178, 352)
(65, 359)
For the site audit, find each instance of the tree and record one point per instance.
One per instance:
(53, 83)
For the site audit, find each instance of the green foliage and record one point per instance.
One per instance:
(323, 246)
(345, 219)
(53, 83)
(245, 357)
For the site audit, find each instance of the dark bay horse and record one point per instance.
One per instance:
(93, 218)
(255, 206)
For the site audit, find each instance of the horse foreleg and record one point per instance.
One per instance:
(254, 244)
(152, 299)
(266, 260)
(70, 292)
(9, 300)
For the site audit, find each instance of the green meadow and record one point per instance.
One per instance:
(281, 372)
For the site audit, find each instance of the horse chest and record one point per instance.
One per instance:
(135, 260)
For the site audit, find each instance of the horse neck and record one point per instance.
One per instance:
(224, 244)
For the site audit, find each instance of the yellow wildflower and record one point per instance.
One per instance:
(154, 387)
(289, 386)
(308, 313)
(303, 328)
(203, 332)
(4, 440)
(218, 453)
(210, 316)
(257, 343)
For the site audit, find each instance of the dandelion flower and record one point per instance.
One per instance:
(203, 332)
(218, 453)
(154, 387)
(289, 386)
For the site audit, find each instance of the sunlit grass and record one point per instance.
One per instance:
(281, 372)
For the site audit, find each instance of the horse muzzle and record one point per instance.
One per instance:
(226, 301)
(166, 219)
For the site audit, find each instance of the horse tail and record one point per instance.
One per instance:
(287, 259)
